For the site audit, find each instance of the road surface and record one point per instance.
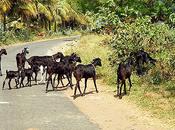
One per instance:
(30, 108)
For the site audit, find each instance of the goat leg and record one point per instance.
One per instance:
(85, 86)
(125, 88)
(62, 82)
(55, 79)
(130, 83)
(69, 81)
(118, 82)
(53, 87)
(94, 79)
(0, 67)
(36, 77)
(120, 95)
(70, 75)
(30, 81)
(4, 84)
(79, 88)
(47, 84)
(75, 90)
(59, 78)
(27, 84)
(9, 84)
(0, 72)
(21, 83)
(16, 81)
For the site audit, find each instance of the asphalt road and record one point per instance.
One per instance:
(30, 108)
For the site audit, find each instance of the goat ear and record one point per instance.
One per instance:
(6, 71)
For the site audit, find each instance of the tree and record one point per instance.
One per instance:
(5, 6)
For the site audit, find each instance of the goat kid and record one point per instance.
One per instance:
(26, 73)
(11, 75)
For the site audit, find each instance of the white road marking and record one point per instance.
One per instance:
(4, 102)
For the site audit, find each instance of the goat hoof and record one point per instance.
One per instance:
(97, 91)
(74, 97)
(120, 97)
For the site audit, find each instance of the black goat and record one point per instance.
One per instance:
(141, 58)
(43, 62)
(35, 69)
(86, 71)
(27, 73)
(12, 75)
(21, 58)
(60, 69)
(124, 72)
(70, 63)
(2, 51)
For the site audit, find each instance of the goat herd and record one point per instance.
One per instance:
(58, 66)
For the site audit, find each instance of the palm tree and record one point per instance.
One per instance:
(68, 15)
(21, 8)
(5, 6)
(47, 13)
(44, 14)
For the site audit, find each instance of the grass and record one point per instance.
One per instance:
(159, 99)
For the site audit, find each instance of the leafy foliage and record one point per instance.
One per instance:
(156, 39)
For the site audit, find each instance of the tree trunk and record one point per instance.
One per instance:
(4, 22)
(45, 23)
(55, 27)
(49, 25)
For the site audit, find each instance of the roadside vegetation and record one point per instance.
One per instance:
(27, 20)
(119, 27)
(153, 91)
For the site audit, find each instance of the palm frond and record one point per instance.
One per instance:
(27, 9)
(43, 10)
(5, 5)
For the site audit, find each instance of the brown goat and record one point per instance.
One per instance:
(124, 72)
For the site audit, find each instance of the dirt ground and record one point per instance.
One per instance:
(110, 112)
